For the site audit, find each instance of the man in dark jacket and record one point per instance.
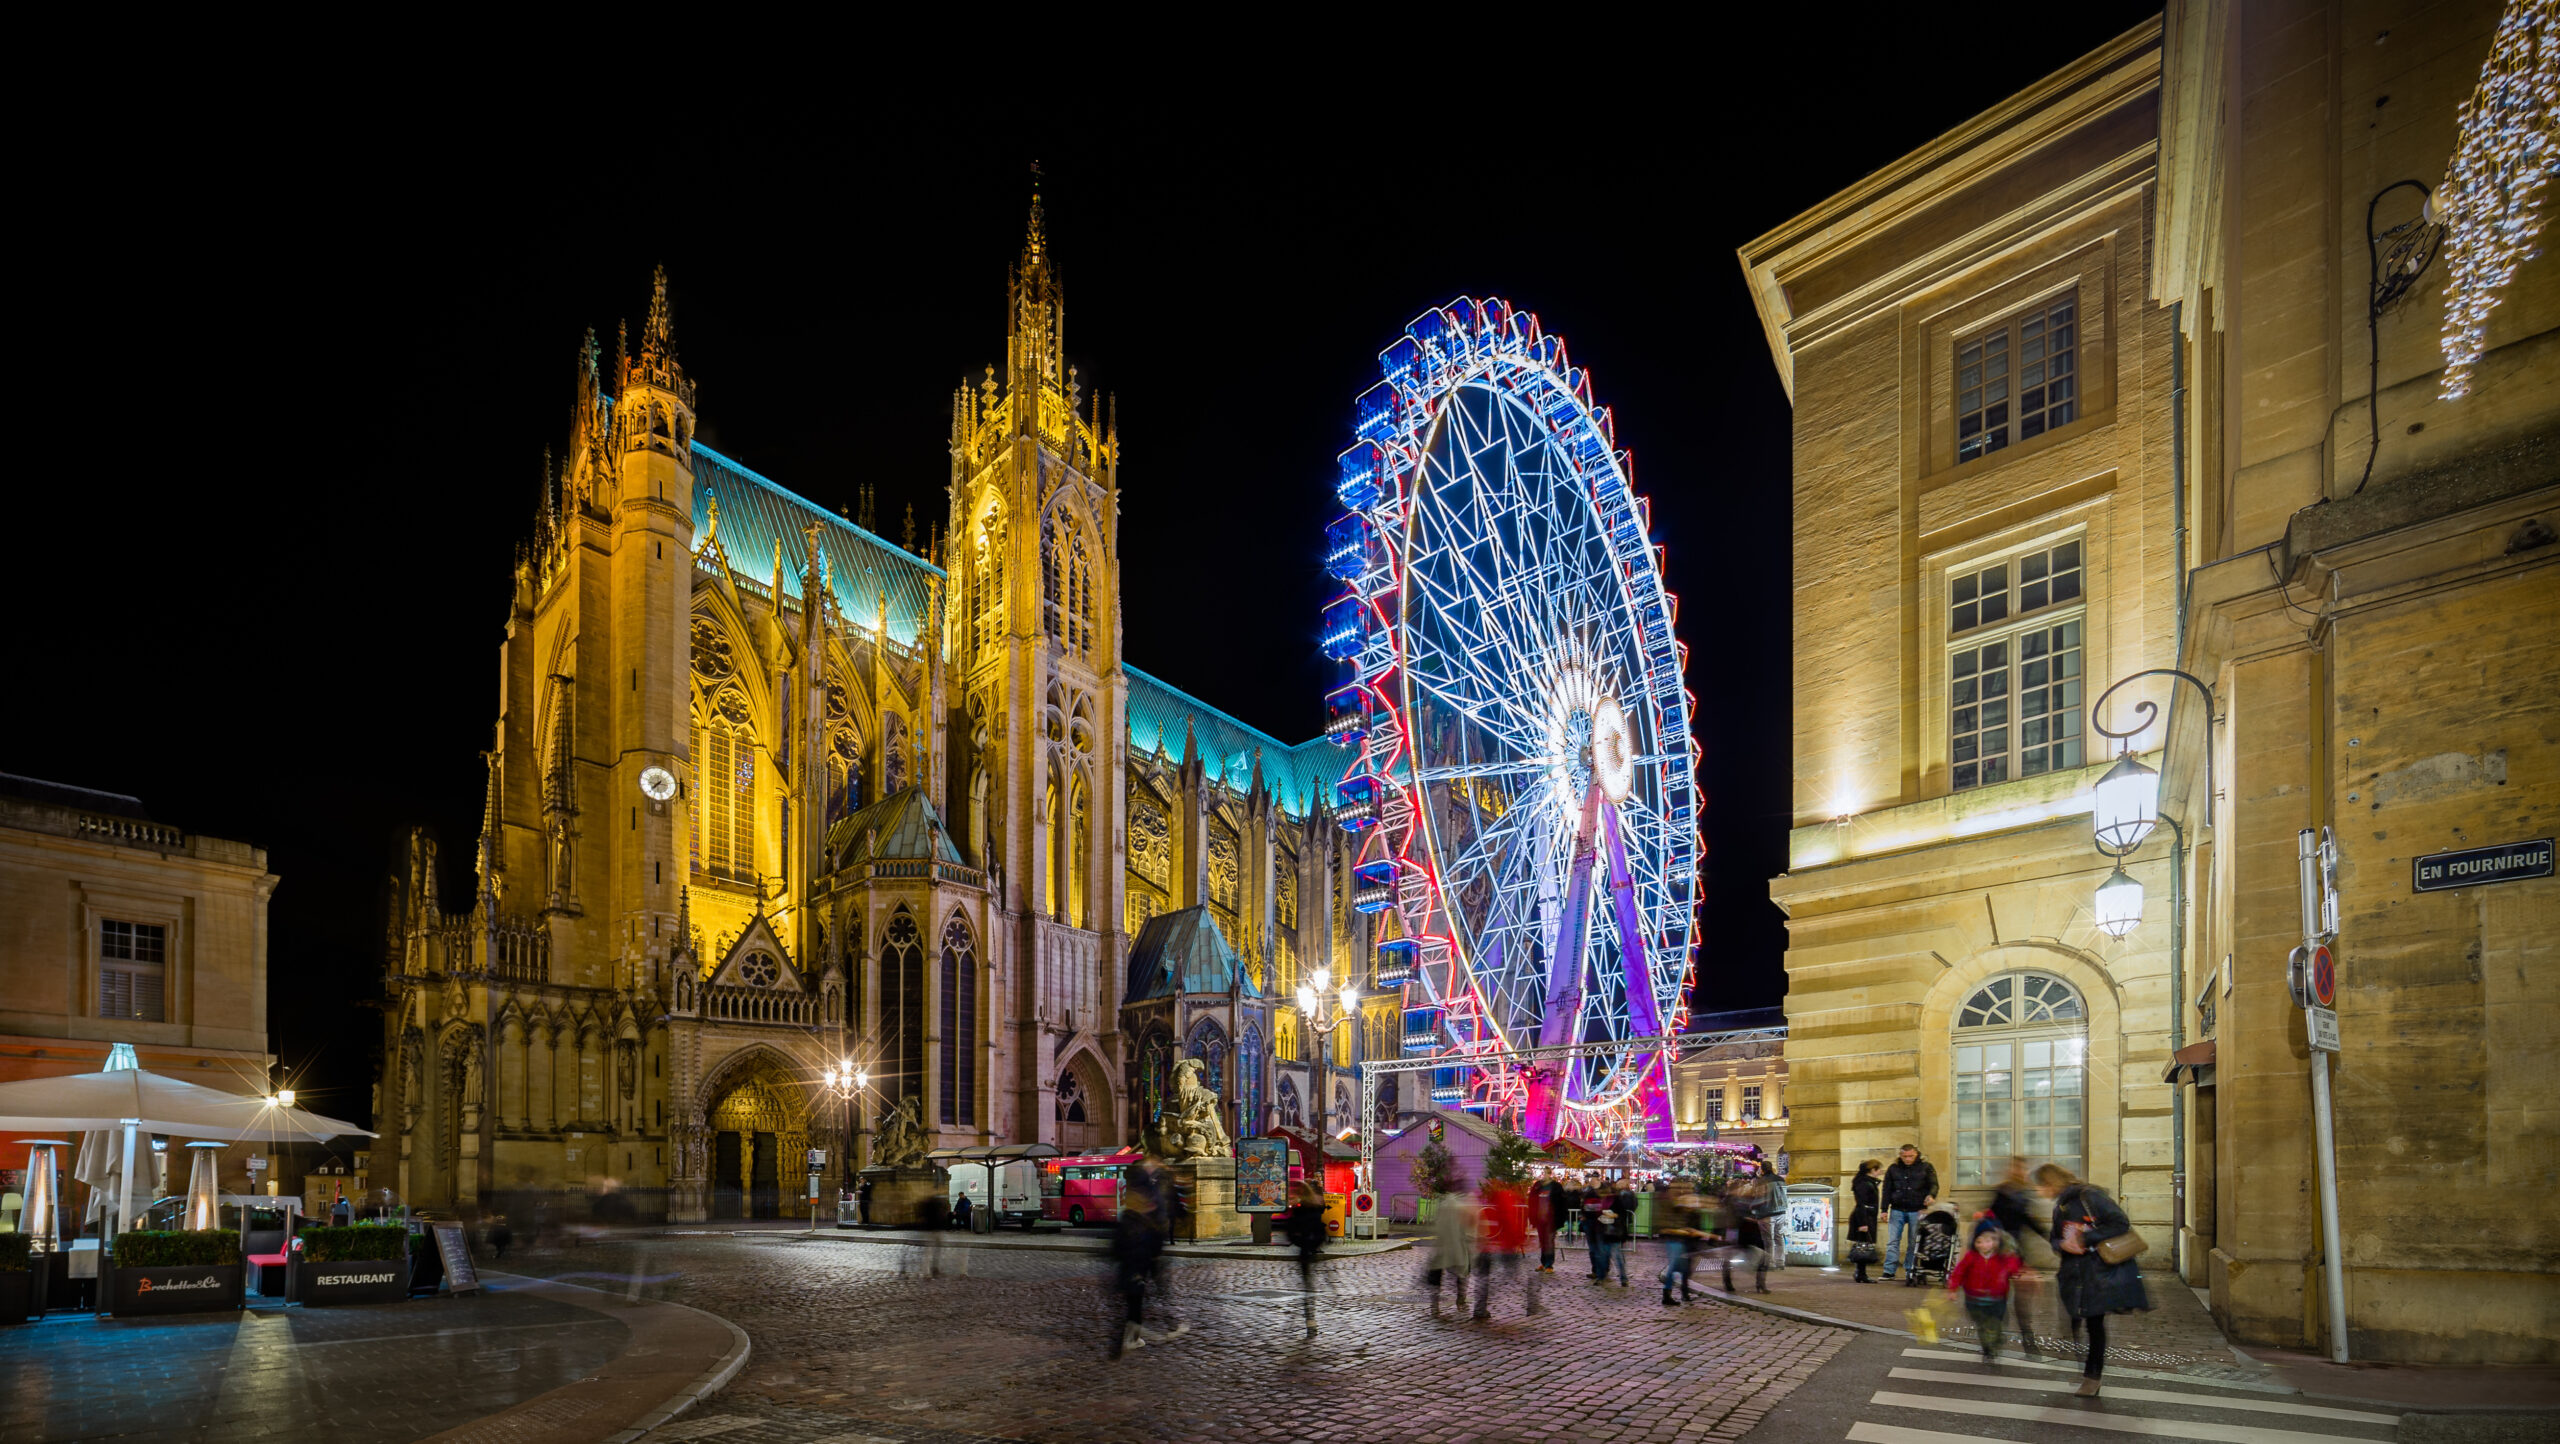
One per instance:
(1910, 1187)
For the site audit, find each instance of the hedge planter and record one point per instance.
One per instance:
(350, 1281)
(17, 1296)
(176, 1289)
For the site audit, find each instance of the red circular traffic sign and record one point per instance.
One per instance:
(2324, 976)
(1363, 1203)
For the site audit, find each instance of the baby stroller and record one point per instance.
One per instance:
(1935, 1252)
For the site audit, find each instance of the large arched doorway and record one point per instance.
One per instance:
(759, 1126)
(1084, 1106)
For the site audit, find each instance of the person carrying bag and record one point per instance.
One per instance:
(2098, 1275)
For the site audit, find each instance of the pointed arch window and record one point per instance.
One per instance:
(986, 599)
(902, 1008)
(1066, 580)
(1249, 1078)
(959, 1044)
(2021, 1076)
(724, 797)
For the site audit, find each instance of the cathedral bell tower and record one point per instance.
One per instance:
(1035, 628)
(647, 688)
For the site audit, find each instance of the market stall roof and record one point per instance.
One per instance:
(156, 1103)
(991, 1153)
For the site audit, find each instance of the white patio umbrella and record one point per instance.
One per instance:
(138, 1101)
(115, 1187)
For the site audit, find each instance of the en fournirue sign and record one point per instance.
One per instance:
(2474, 866)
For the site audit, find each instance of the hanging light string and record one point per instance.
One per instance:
(2505, 149)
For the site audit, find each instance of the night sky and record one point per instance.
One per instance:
(296, 367)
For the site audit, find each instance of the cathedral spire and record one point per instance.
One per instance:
(1035, 244)
(656, 364)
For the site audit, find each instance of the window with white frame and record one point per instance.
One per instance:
(2021, 1077)
(2014, 667)
(1751, 1102)
(2017, 380)
(133, 970)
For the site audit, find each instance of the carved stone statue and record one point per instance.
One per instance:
(1198, 1131)
(901, 1138)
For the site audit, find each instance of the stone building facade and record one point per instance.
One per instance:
(2081, 391)
(116, 928)
(1736, 1091)
(907, 807)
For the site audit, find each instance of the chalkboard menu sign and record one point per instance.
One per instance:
(1262, 1175)
(460, 1276)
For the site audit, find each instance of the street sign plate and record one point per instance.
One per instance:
(2471, 867)
(2324, 978)
(2322, 1025)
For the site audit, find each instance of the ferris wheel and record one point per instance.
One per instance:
(1524, 785)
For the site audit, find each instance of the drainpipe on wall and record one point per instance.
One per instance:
(2178, 847)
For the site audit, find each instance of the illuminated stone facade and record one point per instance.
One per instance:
(915, 812)
(2382, 654)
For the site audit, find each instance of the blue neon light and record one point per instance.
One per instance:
(1345, 629)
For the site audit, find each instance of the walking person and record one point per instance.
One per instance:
(1675, 1220)
(1985, 1275)
(1743, 1201)
(1910, 1188)
(2089, 1284)
(2010, 1209)
(1502, 1236)
(1595, 1230)
(1622, 1231)
(1866, 1199)
(1137, 1244)
(1549, 1207)
(1303, 1226)
(1453, 1246)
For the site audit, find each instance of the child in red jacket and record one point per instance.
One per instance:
(1985, 1273)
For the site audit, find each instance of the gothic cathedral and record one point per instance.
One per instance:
(767, 792)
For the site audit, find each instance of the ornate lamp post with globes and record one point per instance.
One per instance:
(845, 1081)
(1324, 1010)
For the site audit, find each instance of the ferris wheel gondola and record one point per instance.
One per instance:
(1524, 785)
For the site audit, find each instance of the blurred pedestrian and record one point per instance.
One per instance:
(1622, 1230)
(1595, 1229)
(1743, 1201)
(1453, 1244)
(1303, 1225)
(2089, 1285)
(862, 1201)
(2009, 1206)
(1866, 1195)
(1549, 1207)
(1502, 1236)
(1676, 1223)
(1137, 1244)
(1985, 1275)
(500, 1236)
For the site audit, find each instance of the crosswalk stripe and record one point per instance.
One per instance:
(2114, 1371)
(1865, 1433)
(2153, 1396)
(2119, 1423)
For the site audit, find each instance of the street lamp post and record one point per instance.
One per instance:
(1324, 1010)
(845, 1081)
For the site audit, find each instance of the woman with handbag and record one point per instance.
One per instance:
(2098, 1247)
(1866, 1193)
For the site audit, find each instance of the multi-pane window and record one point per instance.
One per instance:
(2017, 380)
(133, 970)
(2021, 1077)
(725, 800)
(1750, 1102)
(2014, 699)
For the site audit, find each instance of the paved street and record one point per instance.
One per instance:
(377, 1374)
(853, 1342)
(1886, 1390)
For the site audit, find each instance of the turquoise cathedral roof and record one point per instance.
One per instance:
(1183, 952)
(757, 511)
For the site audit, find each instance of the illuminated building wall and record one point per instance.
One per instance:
(2270, 489)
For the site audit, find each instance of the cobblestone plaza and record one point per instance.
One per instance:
(855, 1338)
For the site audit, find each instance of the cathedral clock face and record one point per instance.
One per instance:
(658, 783)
